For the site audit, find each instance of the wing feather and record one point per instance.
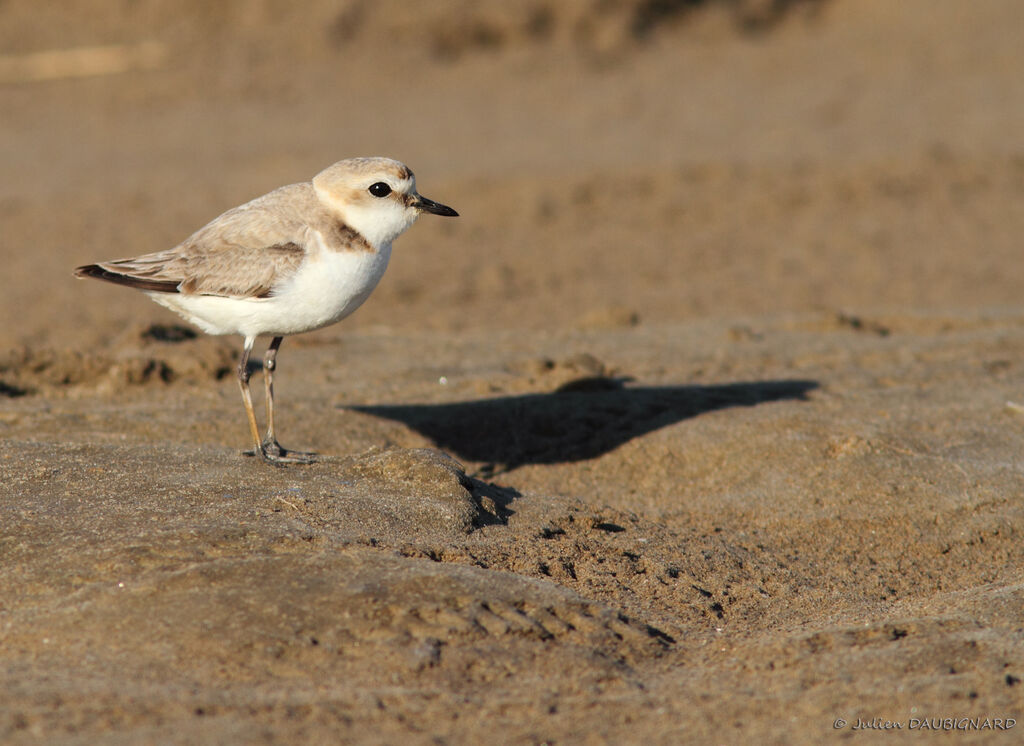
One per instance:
(244, 253)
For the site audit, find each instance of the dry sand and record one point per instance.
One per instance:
(697, 426)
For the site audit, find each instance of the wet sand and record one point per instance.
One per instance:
(702, 424)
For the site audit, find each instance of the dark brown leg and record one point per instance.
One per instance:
(272, 450)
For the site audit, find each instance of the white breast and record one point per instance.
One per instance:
(328, 287)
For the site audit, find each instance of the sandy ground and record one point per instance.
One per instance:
(699, 425)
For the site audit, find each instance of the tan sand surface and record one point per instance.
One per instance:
(703, 423)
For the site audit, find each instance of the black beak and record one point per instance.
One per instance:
(429, 205)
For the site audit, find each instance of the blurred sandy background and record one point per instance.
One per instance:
(727, 341)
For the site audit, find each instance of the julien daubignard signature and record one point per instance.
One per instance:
(929, 723)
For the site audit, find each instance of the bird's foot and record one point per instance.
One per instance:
(273, 452)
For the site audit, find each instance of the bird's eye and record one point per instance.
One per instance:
(380, 189)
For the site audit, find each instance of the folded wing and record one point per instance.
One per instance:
(244, 253)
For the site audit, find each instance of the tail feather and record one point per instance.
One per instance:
(139, 283)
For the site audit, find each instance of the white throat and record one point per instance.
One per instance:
(380, 223)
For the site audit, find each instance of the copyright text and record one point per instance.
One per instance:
(929, 723)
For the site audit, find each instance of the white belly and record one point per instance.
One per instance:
(327, 287)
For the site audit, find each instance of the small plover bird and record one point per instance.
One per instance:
(296, 259)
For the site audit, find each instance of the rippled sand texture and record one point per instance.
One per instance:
(703, 422)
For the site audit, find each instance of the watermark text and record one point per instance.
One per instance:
(943, 723)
